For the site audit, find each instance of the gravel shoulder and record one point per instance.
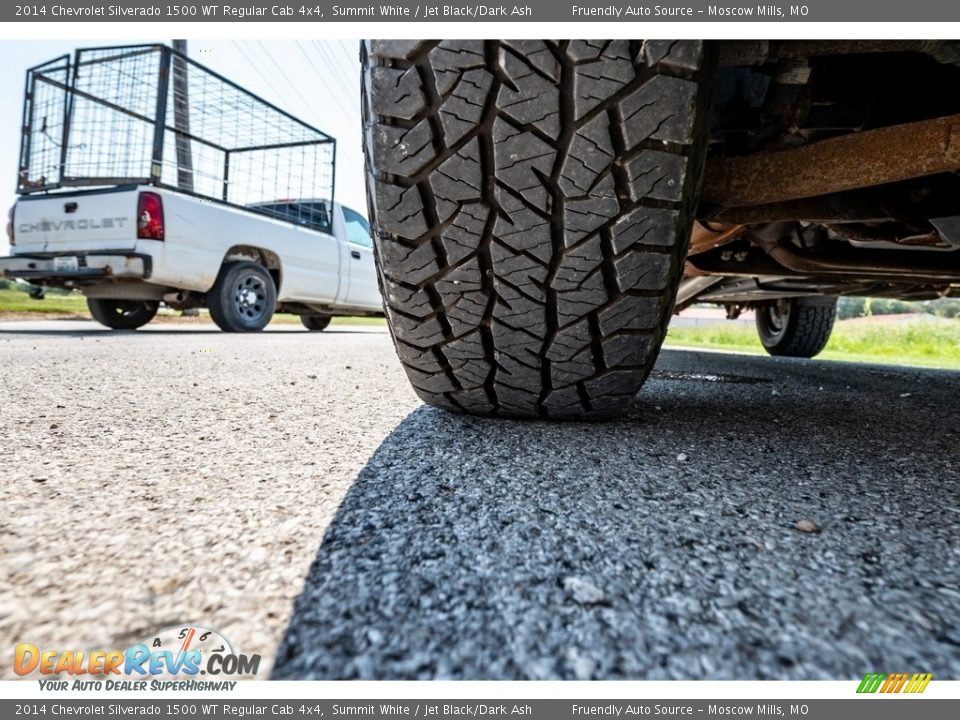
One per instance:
(170, 476)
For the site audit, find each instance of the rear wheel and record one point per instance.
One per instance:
(122, 314)
(796, 327)
(243, 298)
(532, 202)
(315, 323)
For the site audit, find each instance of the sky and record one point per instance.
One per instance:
(315, 80)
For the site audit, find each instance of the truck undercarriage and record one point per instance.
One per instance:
(831, 171)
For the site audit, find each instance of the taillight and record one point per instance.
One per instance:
(10, 225)
(150, 216)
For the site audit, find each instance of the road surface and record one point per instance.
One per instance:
(750, 517)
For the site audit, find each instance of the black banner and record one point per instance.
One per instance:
(530, 11)
(876, 708)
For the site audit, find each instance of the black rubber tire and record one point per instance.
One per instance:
(122, 314)
(315, 323)
(235, 280)
(796, 327)
(532, 203)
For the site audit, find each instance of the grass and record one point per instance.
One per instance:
(19, 303)
(14, 301)
(923, 342)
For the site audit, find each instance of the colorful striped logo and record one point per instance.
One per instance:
(894, 682)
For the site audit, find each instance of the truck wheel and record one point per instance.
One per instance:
(122, 314)
(796, 327)
(532, 203)
(243, 298)
(315, 323)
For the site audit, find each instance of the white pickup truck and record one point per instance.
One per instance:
(129, 248)
(163, 190)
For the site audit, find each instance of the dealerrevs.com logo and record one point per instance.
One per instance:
(173, 659)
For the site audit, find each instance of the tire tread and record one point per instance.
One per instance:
(531, 202)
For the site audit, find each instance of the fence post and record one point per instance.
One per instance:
(160, 119)
(181, 116)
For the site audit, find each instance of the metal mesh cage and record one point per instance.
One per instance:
(44, 113)
(147, 114)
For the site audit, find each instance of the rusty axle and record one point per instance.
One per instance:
(857, 160)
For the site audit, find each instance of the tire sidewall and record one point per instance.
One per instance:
(771, 338)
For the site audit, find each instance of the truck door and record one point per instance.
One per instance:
(363, 290)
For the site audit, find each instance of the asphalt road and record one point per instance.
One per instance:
(750, 518)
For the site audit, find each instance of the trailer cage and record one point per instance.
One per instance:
(149, 115)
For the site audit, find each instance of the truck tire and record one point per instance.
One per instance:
(796, 327)
(315, 323)
(122, 314)
(243, 298)
(532, 203)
